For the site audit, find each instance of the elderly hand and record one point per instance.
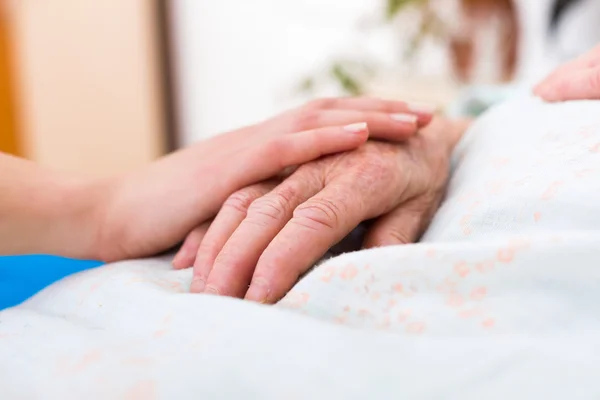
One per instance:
(153, 209)
(267, 235)
(576, 80)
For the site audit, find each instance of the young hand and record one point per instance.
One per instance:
(152, 210)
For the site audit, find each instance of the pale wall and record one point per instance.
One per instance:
(88, 83)
(239, 59)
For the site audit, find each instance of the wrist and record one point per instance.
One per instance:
(44, 212)
(74, 217)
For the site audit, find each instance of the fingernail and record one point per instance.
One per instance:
(212, 291)
(197, 285)
(422, 108)
(258, 292)
(356, 128)
(405, 118)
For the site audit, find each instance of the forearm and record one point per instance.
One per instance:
(44, 212)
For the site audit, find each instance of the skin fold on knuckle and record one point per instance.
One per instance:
(276, 151)
(390, 235)
(267, 209)
(275, 206)
(307, 118)
(241, 200)
(207, 250)
(321, 103)
(319, 214)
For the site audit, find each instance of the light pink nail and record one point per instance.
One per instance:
(356, 128)
(410, 118)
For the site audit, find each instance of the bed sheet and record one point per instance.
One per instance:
(500, 299)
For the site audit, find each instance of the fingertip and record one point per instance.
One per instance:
(549, 96)
(359, 132)
(182, 260)
(259, 291)
(423, 111)
(198, 285)
(357, 128)
(212, 290)
(540, 91)
(424, 120)
(404, 126)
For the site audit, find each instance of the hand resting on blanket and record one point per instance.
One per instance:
(151, 210)
(575, 80)
(267, 235)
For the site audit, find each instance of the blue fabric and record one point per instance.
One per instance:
(23, 276)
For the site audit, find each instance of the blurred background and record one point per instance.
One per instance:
(104, 86)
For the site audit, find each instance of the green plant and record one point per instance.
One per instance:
(351, 74)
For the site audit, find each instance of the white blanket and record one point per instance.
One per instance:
(501, 300)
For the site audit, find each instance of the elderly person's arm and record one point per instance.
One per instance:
(268, 235)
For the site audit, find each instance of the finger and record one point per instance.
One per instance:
(225, 223)
(187, 253)
(580, 85)
(424, 111)
(289, 150)
(556, 74)
(403, 225)
(235, 264)
(396, 127)
(586, 61)
(317, 225)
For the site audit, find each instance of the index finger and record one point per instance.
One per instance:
(284, 151)
(423, 111)
(316, 226)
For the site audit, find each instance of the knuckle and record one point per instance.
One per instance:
(319, 213)
(277, 204)
(277, 150)
(207, 249)
(307, 118)
(272, 207)
(321, 103)
(392, 235)
(241, 200)
(287, 193)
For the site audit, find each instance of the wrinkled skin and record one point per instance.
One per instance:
(153, 209)
(268, 235)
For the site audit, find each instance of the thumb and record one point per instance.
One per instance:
(577, 85)
(403, 225)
